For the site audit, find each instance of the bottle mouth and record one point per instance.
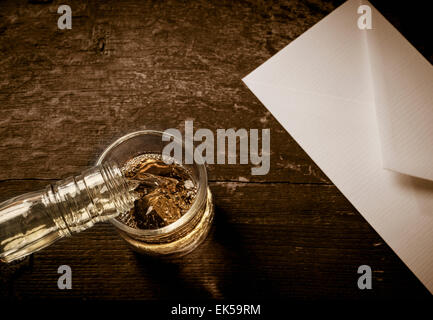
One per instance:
(113, 176)
(146, 141)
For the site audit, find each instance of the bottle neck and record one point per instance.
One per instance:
(98, 194)
(33, 221)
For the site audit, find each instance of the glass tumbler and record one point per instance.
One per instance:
(186, 233)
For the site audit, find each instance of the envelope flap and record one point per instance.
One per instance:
(403, 91)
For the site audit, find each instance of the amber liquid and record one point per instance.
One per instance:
(163, 192)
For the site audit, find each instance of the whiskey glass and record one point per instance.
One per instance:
(183, 235)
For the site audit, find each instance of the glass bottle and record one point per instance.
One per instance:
(33, 221)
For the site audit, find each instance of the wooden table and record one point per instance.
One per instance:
(128, 65)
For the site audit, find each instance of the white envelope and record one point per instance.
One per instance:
(323, 89)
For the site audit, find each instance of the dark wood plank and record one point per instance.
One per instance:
(292, 241)
(65, 96)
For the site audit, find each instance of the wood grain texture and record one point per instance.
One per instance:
(129, 65)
